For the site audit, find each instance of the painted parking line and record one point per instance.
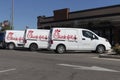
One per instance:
(93, 68)
(2, 71)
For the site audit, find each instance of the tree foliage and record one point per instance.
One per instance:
(5, 25)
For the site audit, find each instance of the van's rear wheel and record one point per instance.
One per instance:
(100, 49)
(60, 49)
(33, 47)
(11, 46)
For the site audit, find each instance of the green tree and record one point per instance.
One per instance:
(5, 25)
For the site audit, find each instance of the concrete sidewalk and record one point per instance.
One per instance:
(109, 55)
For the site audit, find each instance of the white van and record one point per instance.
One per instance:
(62, 39)
(14, 38)
(36, 39)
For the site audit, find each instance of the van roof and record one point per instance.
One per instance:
(70, 28)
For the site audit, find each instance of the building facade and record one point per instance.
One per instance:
(104, 21)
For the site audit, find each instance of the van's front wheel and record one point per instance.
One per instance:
(60, 49)
(100, 49)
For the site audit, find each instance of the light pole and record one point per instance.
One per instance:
(12, 21)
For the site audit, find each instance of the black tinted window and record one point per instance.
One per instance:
(89, 34)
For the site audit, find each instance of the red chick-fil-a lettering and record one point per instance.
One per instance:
(57, 35)
(30, 35)
(11, 37)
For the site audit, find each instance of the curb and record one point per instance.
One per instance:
(109, 56)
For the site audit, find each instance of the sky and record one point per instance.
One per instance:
(27, 11)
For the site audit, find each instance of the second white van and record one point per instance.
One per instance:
(63, 39)
(36, 39)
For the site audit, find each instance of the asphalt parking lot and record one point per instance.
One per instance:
(46, 65)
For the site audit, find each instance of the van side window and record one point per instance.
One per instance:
(89, 35)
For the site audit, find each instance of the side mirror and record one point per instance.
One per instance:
(93, 37)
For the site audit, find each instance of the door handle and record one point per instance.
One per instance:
(83, 38)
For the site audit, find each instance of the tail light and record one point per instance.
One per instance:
(51, 41)
(25, 41)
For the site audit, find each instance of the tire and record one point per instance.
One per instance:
(33, 47)
(60, 49)
(100, 49)
(3, 45)
(11, 46)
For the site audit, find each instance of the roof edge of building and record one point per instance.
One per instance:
(105, 7)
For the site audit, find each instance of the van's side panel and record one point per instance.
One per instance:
(72, 39)
(67, 37)
(38, 36)
(14, 36)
